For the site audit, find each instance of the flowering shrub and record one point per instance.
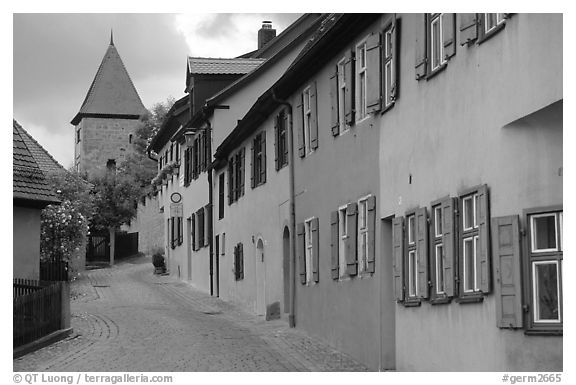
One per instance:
(62, 231)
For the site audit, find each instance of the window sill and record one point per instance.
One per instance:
(536, 332)
(487, 35)
(282, 166)
(361, 120)
(473, 298)
(440, 301)
(436, 71)
(412, 302)
(388, 107)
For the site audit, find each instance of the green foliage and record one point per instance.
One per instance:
(114, 196)
(63, 227)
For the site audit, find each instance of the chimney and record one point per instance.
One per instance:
(265, 34)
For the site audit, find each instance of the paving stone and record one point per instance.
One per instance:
(127, 319)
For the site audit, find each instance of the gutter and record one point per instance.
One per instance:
(292, 313)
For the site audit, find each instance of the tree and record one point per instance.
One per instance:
(114, 196)
(63, 228)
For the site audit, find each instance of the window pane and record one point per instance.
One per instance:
(546, 292)
(436, 41)
(439, 269)
(468, 213)
(438, 221)
(469, 265)
(544, 232)
(411, 229)
(412, 273)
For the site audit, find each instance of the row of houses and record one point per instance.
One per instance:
(390, 183)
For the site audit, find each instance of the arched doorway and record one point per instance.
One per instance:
(260, 278)
(286, 268)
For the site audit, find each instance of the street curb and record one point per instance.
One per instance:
(41, 342)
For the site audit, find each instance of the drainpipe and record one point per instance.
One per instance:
(208, 131)
(292, 314)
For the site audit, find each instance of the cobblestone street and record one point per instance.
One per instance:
(127, 319)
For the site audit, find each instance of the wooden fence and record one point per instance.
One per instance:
(53, 271)
(37, 309)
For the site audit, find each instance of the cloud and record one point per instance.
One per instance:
(226, 34)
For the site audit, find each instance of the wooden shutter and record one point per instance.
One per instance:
(276, 142)
(236, 263)
(299, 126)
(315, 250)
(371, 257)
(230, 180)
(241, 168)
(285, 141)
(201, 144)
(313, 117)
(180, 230)
(253, 162)
(373, 89)
(300, 250)
(483, 255)
(420, 46)
(394, 92)
(507, 276)
(349, 90)
(448, 208)
(468, 28)
(241, 260)
(263, 163)
(193, 231)
(172, 233)
(398, 257)
(351, 241)
(422, 251)
(208, 221)
(334, 124)
(335, 239)
(449, 34)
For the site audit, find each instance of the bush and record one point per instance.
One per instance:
(158, 258)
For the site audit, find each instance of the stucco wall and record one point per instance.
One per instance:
(102, 139)
(150, 225)
(26, 243)
(460, 129)
(261, 214)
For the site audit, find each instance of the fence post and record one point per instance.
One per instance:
(65, 300)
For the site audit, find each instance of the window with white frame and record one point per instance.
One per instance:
(437, 57)
(363, 234)
(470, 242)
(438, 248)
(361, 81)
(307, 109)
(546, 255)
(412, 257)
(342, 236)
(342, 96)
(308, 249)
(492, 20)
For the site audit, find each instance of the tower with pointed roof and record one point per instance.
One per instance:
(108, 116)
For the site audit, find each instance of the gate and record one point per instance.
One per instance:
(98, 247)
(126, 245)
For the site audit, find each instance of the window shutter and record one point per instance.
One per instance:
(241, 166)
(420, 47)
(398, 257)
(449, 34)
(299, 126)
(373, 89)
(315, 250)
(394, 92)
(300, 249)
(334, 236)
(208, 221)
(263, 147)
(483, 257)
(276, 142)
(468, 28)
(236, 262)
(352, 240)
(448, 208)
(230, 180)
(180, 230)
(371, 258)
(285, 145)
(507, 284)
(193, 231)
(422, 251)
(202, 142)
(253, 163)
(313, 117)
(241, 260)
(349, 90)
(172, 233)
(334, 102)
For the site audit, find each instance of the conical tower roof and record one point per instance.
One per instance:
(112, 92)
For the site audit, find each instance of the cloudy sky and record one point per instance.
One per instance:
(55, 58)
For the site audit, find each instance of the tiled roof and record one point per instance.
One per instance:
(222, 66)
(28, 181)
(42, 157)
(112, 91)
